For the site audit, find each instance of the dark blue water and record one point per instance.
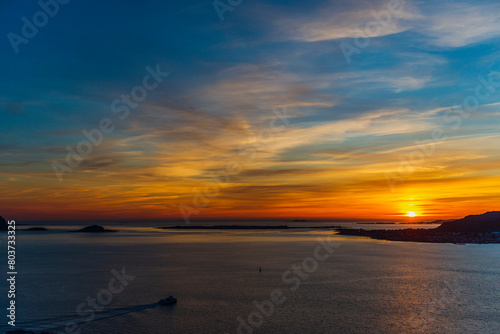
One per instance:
(364, 286)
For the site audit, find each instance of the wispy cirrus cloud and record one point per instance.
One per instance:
(447, 24)
(457, 25)
(349, 20)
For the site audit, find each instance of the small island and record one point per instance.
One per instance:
(36, 229)
(223, 227)
(303, 221)
(241, 227)
(93, 229)
(474, 229)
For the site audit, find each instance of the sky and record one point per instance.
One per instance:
(245, 109)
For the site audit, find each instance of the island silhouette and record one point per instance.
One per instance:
(93, 229)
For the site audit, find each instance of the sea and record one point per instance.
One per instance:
(300, 281)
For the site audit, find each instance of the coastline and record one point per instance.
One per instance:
(425, 235)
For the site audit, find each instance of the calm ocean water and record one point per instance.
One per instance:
(364, 286)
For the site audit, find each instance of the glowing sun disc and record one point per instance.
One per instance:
(411, 214)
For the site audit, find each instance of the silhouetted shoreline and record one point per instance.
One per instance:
(473, 229)
(426, 235)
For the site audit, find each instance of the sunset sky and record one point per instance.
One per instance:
(315, 108)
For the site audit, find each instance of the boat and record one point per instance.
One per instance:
(167, 301)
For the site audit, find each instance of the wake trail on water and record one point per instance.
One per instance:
(54, 323)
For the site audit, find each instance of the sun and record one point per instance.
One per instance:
(411, 214)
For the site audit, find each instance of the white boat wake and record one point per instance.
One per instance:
(61, 322)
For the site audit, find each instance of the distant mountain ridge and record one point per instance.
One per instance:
(486, 222)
